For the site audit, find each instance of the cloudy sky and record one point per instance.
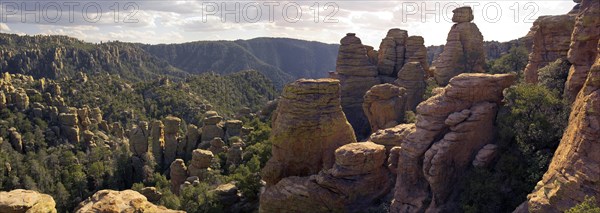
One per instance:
(161, 21)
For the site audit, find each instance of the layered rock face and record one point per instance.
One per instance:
(178, 173)
(384, 106)
(171, 131)
(391, 52)
(157, 133)
(435, 151)
(463, 52)
(357, 75)
(412, 78)
(574, 172)
(26, 201)
(119, 201)
(551, 37)
(308, 126)
(347, 187)
(582, 49)
(201, 161)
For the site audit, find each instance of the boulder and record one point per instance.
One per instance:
(485, 155)
(16, 140)
(234, 154)
(308, 126)
(462, 14)
(217, 145)
(171, 139)
(384, 106)
(201, 161)
(192, 136)
(152, 194)
(119, 201)
(26, 201)
(233, 128)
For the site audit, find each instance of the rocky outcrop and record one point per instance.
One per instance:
(217, 145)
(451, 128)
(157, 135)
(485, 156)
(201, 161)
(213, 128)
(416, 52)
(178, 173)
(138, 139)
(346, 187)
(357, 75)
(69, 127)
(171, 138)
(26, 201)
(384, 106)
(119, 201)
(233, 128)
(582, 49)
(391, 52)
(192, 136)
(234, 154)
(463, 52)
(412, 78)
(16, 140)
(551, 37)
(308, 126)
(574, 173)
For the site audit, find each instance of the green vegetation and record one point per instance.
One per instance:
(514, 61)
(589, 205)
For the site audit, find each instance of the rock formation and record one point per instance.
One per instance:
(551, 37)
(233, 128)
(582, 49)
(384, 106)
(234, 154)
(451, 128)
(391, 52)
(574, 171)
(357, 75)
(213, 128)
(308, 126)
(178, 173)
(16, 140)
(26, 201)
(201, 161)
(171, 138)
(119, 201)
(69, 126)
(158, 140)
(412, 78)
(217, 145)
(486, 155)
(192, 136)
(463, 52)
(416, 52)
(138, 139)
(349, 186)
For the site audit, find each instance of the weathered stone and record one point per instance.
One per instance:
(201, 161)
(234, 154)
(26, 201)
(574, 173)
(192, 136)
(171, 139)
(485, 156)
(178, 173)
(138, 139)
(308, 126)
(551, 38)
(217, 146)
(582, 49)
(463, 52)
(16, 140)
(119, 201)
(416, 52)
(158, 140)
(347, 187)
(233, 128)
(412, 78)
(384, 106)
(462, 14)
(152, 194)
(227, 194)
(424, 179)
(391, 52)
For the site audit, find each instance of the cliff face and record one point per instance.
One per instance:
(582, 49)
(551, 36)
(574, 170)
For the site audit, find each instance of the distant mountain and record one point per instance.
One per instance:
(58, 57)
(280, 59)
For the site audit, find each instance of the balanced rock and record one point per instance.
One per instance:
(217, 145)
(462, 14)
(308, 126)
(26, 201)
(463, 52)
(392, 137)
(233, 128)
(416, 52)
(582, 49)
(357, 75)
(412, 78)
(347, 187)
(551, 38)
(213, 127)
(119, 201)
(384, 106)
(439, 147)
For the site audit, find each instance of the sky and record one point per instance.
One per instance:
(162, 21)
